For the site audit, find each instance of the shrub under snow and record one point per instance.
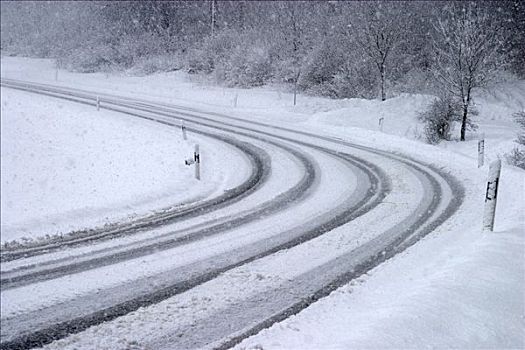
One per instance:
(517, 156)
(438, 118)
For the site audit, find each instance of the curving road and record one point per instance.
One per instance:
(315, 213)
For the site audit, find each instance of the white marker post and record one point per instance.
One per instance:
(98, 103)
(481, 152)
(56, 74)
(381, 119)
(235, 100)
(197, 159)
(183, 128)
(491, 196)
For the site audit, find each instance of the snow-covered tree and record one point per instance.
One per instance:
(380, 29)
(340, 49)
(467, 44)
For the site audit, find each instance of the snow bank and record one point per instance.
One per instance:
(66, 167)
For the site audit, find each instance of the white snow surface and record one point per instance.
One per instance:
(66, 167)
(457, 288)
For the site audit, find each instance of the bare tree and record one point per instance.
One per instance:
(466, 45)
(379, 30)
(213, 15)
(293, 20)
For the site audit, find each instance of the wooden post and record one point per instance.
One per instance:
(491, 195)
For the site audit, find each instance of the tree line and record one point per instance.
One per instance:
(332, 48)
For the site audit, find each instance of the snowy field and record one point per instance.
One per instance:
(457, 288)
(67, 167)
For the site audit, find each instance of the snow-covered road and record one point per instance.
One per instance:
(314, 213)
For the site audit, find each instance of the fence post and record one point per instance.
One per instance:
(98, 103)
(481, 152)
(183, 128)
(197, 159)
(491, 195)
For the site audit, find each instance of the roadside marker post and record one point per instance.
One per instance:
(183, 128)
(491, 195)
(98, 103)
(235, 100)
(295, 90)
(481, 152)
(381, 119)
(195, 160)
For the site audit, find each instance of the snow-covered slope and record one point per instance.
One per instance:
(67, 167)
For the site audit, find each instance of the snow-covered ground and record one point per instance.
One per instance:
(66, 167)
(457, 288)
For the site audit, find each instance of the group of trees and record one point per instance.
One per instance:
(332, 48)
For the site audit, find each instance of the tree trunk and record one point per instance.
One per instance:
(295, 88)
(383, 93)
(464, 119)
(213, 20)
(464, 122)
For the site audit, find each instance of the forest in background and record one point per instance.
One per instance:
(329, 48)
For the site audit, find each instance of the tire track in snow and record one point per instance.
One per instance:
(257, 158)
(246, 254)
(308, 235)
(401, 243)
(24, 276)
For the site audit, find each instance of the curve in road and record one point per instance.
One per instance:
(432, 212)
